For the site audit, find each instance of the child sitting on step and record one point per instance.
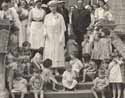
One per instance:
(47, 75)
(69, 77)
(36, 83)
(89, 69)
(25, 58)
(19, 85)
(76, 64)
(105, 66)
(37, 60)
(11, 65)
(100, 84)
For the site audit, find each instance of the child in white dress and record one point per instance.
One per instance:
(69, 78)
(115, 75)
(19, 85)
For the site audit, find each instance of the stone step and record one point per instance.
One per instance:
(70, 94)
(85, 86)
(65, 94)
(80, 86)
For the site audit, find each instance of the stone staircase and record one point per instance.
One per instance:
(83, 91)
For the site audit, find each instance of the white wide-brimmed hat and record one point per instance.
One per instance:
(52, 3)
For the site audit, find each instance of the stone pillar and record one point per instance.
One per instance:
(3, 90)
(4, 36)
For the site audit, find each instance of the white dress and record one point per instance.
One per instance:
(76, 65)
(36, 29)
(115, 75)
(68, 80)
(99, 13)
(55, 40)
(20, 85)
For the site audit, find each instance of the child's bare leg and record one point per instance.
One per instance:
(119, 90)
(41, 94)
(22, 95)
(103, 94)
(84, 75)
(94, 93)
(12, 95)
(114, 90)
(53, 86)
(35, 95)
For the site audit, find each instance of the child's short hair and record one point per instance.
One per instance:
(67, 59)
(41, 49)
(26, 43)
(47, 63)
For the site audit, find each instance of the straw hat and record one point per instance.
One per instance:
(52, 3)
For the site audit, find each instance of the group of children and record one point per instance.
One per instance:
(27, 72)
(101, 62)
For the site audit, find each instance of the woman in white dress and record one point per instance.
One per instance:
(55, 40)
(23, 15)
(36, 17)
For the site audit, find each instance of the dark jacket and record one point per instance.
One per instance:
(64, 12)
(80, 20)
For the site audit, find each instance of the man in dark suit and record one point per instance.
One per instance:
(80, 21)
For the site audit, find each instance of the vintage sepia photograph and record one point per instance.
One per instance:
(62, 48)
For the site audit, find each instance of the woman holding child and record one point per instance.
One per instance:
(54, 31)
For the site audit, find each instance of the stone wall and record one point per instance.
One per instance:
(118, 11)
